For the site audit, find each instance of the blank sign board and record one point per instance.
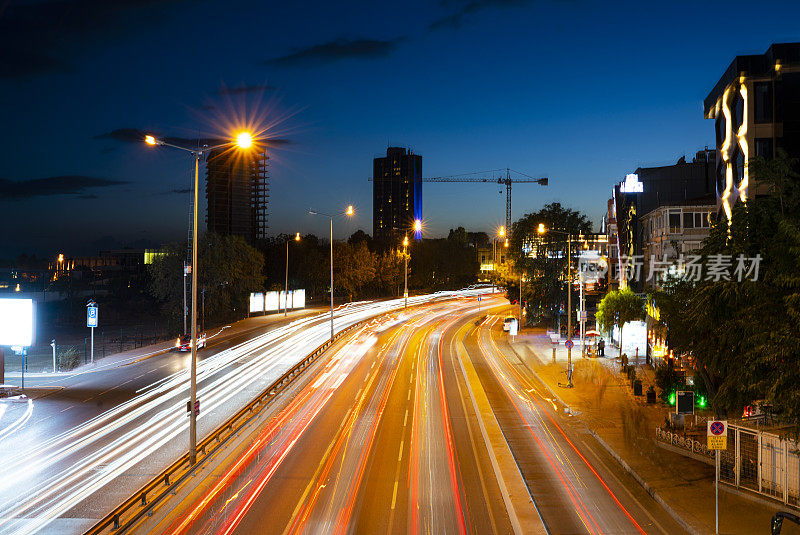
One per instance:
(16, 322)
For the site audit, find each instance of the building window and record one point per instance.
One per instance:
(688, 220)
(674, 222)
(762, 100)
(764, 147)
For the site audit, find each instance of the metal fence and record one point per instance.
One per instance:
(756, 460)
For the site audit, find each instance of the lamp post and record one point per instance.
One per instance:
(286, 285)
(543, 230)
(244, 140)
(349, 212)
(417, 230)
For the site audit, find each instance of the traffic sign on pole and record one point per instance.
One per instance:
(717, 434)
(569, 344)
(91, 315)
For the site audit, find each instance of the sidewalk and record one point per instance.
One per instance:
(626, 424)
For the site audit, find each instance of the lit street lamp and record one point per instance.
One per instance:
(417, 230)
(348, 212)
(286, 286)
(243, 140)
(542, 230)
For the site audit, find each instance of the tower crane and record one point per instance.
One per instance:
(493, 176)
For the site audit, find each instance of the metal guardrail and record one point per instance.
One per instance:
(127, 514)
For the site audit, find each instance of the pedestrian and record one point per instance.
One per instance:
(601, 347)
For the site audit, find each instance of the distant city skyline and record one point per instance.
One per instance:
(577, 92)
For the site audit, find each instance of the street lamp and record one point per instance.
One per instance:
(286, 286)
(542, 230)
(417, 229)
(244, 140)
(349, 212)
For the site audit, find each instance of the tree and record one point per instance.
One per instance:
(229, 269)
(546, 272)
(618, 307)
(389, 272)
(353, 267)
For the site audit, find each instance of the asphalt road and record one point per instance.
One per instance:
(384, 440)
(86, 442)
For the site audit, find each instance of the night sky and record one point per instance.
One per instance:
(581, 92)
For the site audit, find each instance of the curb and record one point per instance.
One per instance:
(651, 491)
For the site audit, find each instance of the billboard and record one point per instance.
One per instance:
(16, 322)
(274, 301)
(256, 302)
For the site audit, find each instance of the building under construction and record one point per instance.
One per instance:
(238, 193)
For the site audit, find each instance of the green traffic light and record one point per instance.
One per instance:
(672, 398)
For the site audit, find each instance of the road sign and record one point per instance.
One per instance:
(717, 434)
(583, 315)
(513, 328)
(91, 316)
(569, 344)
(196, 407)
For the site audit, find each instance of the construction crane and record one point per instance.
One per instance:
(496, 177)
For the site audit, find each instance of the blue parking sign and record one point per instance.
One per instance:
(91, 316)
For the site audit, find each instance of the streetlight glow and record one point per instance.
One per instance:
(244, 140)
(501, 232)
(541, 229)
(150, 140)
(405, 241)
(349, 210)
(417, 225)
(297, 237)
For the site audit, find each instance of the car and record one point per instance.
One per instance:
(184, 342)
(507, 322)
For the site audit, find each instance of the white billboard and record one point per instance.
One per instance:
(298, 299)
(274, 301)
(256, 302)
(16, 322)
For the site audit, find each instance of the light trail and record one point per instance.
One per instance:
(531, 410)
(49, 478)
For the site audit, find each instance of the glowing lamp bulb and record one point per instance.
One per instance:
(350, 210)
(502, 232)
(541, 229)
(405, 241)
(417, 225)
(297, 237)
(150, 140)
(244, 140)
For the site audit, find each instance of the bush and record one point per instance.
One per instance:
(667, 379)
(69, 359)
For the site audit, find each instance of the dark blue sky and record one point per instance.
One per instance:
(581, 92)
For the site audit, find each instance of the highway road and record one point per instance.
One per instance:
(387, 437)
(85, 443)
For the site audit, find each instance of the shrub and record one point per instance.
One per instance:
(70, 359)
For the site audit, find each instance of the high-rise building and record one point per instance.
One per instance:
(237, 193)
(756, 110)
(396, 194)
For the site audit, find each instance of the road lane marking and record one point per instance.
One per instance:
(405, 418)
(400, 454)
(394, 494)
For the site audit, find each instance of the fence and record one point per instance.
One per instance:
(73, 351)
(756, 460)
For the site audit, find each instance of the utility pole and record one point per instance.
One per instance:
(185, 310)
(583, 311)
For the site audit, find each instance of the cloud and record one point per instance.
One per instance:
(37, 37)
(464, 9)
(135, 135)
(54, 185)
(245, 89)
(88, 196)
(337, 50)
